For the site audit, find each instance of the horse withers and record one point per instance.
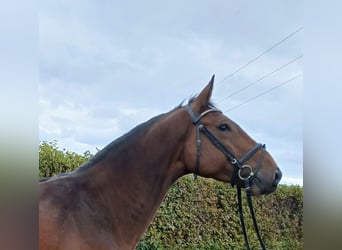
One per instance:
(108, 202)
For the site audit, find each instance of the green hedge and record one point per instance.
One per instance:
(53, 161)
(202, 214)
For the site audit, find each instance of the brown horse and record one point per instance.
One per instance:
(108, 202)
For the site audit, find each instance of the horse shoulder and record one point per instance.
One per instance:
(68, 217)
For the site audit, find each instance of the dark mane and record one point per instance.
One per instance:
(120, 142)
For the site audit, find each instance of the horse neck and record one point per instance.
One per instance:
(134, 179)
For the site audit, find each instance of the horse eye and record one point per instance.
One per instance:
(223, 127)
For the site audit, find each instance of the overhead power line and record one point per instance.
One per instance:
(263, 93)
(260, 79)
(263, 53)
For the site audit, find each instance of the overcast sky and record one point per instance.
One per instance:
(106, 66)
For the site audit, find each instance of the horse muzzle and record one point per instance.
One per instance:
(262, 185)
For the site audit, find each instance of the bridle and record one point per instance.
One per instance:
(238, 164)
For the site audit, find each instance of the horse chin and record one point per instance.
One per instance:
(259, 188)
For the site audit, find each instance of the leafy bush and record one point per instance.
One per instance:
(53, 161)
(203, 214)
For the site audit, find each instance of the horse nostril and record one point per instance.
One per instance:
(278, 176)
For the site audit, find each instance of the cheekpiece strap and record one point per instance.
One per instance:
(195, 119)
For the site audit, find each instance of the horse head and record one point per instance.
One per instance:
(216, 147)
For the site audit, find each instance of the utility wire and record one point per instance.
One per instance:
(263, 53)
(260, 79)
(263, 93)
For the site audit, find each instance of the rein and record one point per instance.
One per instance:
(238, 168)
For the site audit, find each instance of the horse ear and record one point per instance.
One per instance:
(202, 100)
